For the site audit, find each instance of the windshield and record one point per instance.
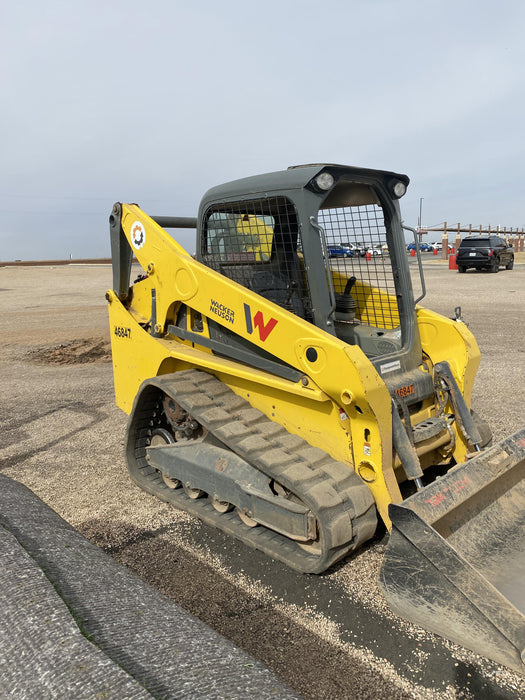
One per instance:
(475, 243)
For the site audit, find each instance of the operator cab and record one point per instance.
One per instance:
(324, 242)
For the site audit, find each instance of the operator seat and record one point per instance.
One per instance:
(281, 281)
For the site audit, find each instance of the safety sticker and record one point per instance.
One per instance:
(138, 235)
(390, 367)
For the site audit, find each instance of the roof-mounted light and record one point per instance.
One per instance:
(398, 188)
(324, 181)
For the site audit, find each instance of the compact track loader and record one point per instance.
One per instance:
(293, 393)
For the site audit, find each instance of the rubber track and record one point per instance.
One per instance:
(342, 504)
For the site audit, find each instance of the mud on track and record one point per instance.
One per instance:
(330, 636)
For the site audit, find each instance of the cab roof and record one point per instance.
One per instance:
(294, 178)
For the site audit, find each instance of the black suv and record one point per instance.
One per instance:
(484, 253)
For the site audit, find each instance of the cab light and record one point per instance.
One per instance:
(324, 181)
(399, 189)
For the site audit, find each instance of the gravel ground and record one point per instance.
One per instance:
(330, 636)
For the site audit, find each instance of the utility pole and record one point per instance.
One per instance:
(419, 220)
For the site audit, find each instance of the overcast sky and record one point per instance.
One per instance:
(154, 102)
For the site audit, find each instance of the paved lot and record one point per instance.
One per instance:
(328, 637)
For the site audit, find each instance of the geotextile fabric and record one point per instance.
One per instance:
(76, 623)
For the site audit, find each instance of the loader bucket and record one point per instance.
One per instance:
(455, 562)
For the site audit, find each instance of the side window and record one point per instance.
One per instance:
(257, 244)
(237, 237)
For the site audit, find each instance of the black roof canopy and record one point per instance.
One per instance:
(294, 178)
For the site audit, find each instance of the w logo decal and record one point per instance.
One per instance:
(258, 322)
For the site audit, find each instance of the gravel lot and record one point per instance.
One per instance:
(327, 637)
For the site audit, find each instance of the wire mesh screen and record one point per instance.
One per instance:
(257, 244)
(356, 243)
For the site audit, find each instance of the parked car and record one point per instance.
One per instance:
(356, 249)
(423, 247)
(431, 247)
(375, 250)
(484, 253)
(338, 251)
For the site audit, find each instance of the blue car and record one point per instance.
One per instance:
(423, 247)
(337, 251)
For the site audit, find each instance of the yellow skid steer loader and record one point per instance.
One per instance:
(285, 386)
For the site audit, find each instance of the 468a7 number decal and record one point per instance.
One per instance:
(121, 332)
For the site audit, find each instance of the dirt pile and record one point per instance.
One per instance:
(74, 352)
